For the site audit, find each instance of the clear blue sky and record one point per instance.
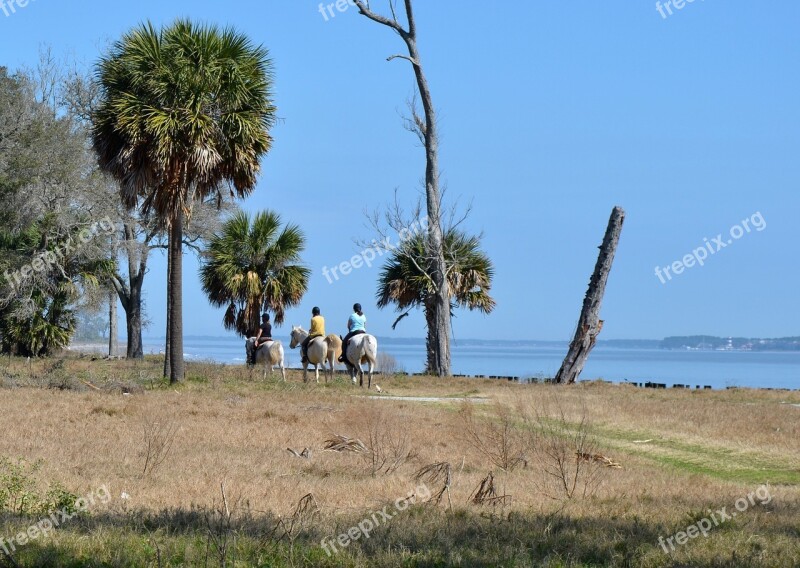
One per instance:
(551, 113)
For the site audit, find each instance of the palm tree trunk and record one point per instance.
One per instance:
(175, 298)
(166, 332)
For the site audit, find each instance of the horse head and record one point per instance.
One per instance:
(298, 336)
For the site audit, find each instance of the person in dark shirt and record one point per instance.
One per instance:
(263, 335)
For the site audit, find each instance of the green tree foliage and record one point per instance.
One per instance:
(184, 112)
(49, 187)
(252, 266)
(405, 283)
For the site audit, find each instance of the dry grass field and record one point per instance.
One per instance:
(200, 475)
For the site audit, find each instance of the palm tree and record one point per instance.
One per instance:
(251, 266)
(183, 113)
(405, 282)
(40, 318)
(40, 326)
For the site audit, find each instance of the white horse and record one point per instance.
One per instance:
(268, 354)
(320, 349)
(362, 349)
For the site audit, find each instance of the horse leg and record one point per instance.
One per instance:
(354, 374)
(330, 364)
(248, 349)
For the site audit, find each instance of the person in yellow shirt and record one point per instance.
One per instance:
(317, 330)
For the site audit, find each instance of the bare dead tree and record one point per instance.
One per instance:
(590, 324)
(426, 129)
(398, 233)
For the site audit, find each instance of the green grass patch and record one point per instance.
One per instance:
(727, 464)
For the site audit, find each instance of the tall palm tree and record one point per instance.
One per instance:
(405, 282)
(252, 266)
(184, 112)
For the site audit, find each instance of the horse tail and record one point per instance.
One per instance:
(371, 349)
(276, 352)
(334, 346)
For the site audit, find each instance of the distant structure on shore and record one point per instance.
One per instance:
(711, 343)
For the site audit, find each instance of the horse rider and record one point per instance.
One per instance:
(356, 325)
(263, 336)
(317, 330)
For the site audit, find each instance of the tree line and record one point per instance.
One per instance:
(162, 140)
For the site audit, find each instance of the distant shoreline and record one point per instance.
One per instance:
(537, 361)
(770, 345)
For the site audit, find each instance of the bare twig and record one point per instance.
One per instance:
(400, 56)
(159, 435)
(433, 474)
(598, 458)
(486, 493)
(305, 454)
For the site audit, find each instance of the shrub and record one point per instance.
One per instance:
(388, 364)
(561, 443)
(498, 437)
(20, 493)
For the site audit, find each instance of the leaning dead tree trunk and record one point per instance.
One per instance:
(590, 324)
(439, 336)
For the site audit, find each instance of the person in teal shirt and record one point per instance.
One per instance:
(356, 325)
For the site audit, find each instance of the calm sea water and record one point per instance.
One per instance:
(718, 369)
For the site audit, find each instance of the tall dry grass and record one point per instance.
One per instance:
(90, 423)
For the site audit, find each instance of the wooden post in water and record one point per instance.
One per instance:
(590, 324)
